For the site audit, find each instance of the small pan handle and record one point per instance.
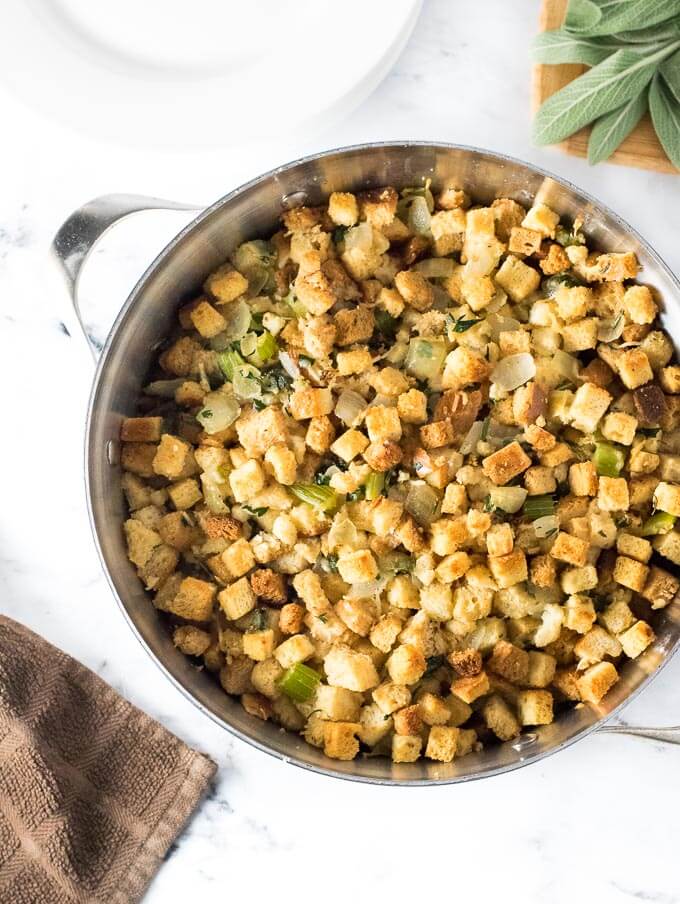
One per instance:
(670, 735)
(77, 236)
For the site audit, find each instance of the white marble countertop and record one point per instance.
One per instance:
(598, 822)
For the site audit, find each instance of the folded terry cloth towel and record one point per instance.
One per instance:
(92, 791)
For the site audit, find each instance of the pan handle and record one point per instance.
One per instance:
(77, 236)
(670, 735)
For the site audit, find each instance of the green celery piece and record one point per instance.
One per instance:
(321, 497)
(299, 682)
(608, 459)
(374, 485)
(658, 523)
(536, 507)
(229, 361)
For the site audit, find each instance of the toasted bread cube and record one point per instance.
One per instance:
(510, 662)
(358, 361)
(589, 404)
(660, 587)
(634, 368)
(350, 669)
(667, 498)
(350, 444)
(540, 439)
(453, 567)
(412, 407)
(207, 320)
(339, 741)
(630, 573)
(514, 342)
(500, 719)
(357, 567)
(448, 228)
(190, 640)
(390, 697)
(617, 617)
(343, 208)
(669, 377)
(573, 303)
(619, 427)
(506, 463)
(667, 545)
(470, 688)
(499, 540)
(374, 725)
(539, 480)
(612, 494)
(194, 600)
(247, 480)
(185, 493)
(295, 649)
(291, 618)
(407, 721)
(594, 683)
(466, 662)
(238, 558)
(580, 336)
(509, 570)
(517, 278)
(174, 458)
(541, 669)
(337, 703)
(437, 601)
(636, 639)
(477, 291)
(406, 749)
(358, 615)
(258, 430)
(259, 645)
(576, 580)
(524, 241)
(634, 547)
(307, 585)
(406, 664)
(383, 424)
(441, 743)
(583, 479)
(595, 645)
(535, 707)
(639, 304)
(237, 600)
(579, 614)
(389, 381)
(414, 289)
(141, 429)
(543, 571)
(226, 284)
(320, 434)
(265, 678)
(310, 402)
(383, 456)
(433, 710)
(282, 463)
(437, 434)
(541, 218)
(570, 549)
(455, 500)
(464, 366)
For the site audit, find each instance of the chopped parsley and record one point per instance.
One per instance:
(206, 413)
(461, 325)
(258, 512)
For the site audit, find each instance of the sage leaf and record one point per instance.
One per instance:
(582, 15)
(664, 31)
(559, 46)
(602, 89)
(611, 129)
(666, 119)
(670, 70)
(622, 15)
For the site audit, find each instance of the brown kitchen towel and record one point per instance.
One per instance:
(92, 791)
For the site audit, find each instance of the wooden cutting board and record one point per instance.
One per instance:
(641, 148)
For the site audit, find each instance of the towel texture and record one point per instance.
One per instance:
(92, 791)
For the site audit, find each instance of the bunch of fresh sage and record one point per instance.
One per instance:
(633, 47)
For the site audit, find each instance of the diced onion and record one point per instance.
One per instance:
(436, 267)
(238, 316)
(213, 495)
(367, 590)
(419, 216)
(359, 238)
(500, 324)
(610, 330)
(350, 407)
(165, 389)
(497, 302)
(544, 527)
(508, 499)
(289, 365)
(472, 437)
(513, 371)
(246, 382)
(567, 365)
(220, 410)
(425, 358)
(342, 533)
(421, 502)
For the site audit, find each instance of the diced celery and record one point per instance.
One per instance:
(658, 523)
(536, 507)
(299, 682)
(374, 485)
(324, 497)
(296, 306)
(608, 459)
(228, 361)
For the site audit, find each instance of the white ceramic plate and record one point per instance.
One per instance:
(201, 72)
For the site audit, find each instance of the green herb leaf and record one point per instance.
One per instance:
(558, 46)
(623, 15)
(611, 129)
(329, 564)
(666, 118)
(461, 325)
(602, 89)
(670, 70)
(582, 15)
(339, 234)
(553, 283)
(258, 512)
(567, 237)
(538, 507)
(433, 663)
(206, 413)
